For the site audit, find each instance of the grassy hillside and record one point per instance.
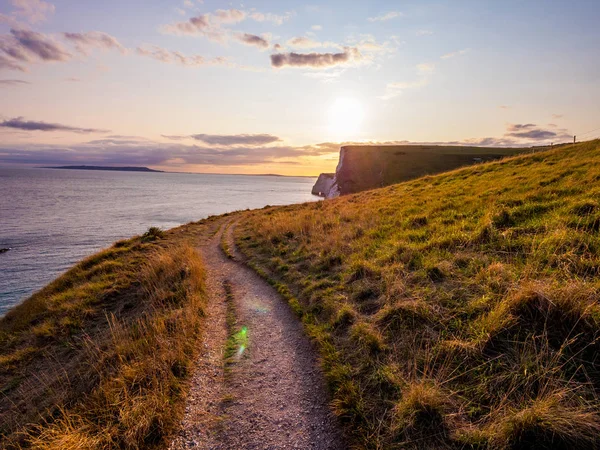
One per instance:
(457, 310)
(372, 166)
(98, 358)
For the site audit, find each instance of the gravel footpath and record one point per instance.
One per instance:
(273, 396)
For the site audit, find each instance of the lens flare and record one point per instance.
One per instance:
(241, 341)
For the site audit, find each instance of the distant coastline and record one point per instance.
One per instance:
(116, 169)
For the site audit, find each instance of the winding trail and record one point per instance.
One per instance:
(273, 394)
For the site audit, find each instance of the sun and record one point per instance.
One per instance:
(346, 115)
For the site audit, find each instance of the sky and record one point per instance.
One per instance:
(278, 86)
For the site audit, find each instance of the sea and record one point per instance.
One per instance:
(52, 218)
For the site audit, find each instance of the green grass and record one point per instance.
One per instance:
(99, 358)
(456, 310)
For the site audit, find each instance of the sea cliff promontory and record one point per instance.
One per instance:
(363, 167)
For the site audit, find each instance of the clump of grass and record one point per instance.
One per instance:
(423, 411)
(153, 234)
(479, 286)
(547, 422)
(101, 355)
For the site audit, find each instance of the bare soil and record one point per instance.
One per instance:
(272, 395)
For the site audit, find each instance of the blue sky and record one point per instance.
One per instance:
(269, 86)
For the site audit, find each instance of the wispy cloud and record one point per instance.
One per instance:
(229, 16)
(384, 17)
(315, 60)
(237, 139)
(229, 139)
(304, 42)
(424, 71)
(10, 64)
(325, 77)
(13, 82)
(22, 47)
(557, 116)
(33, 11)
(214, 25)
(20, 123)
(455, 54)
(252, 39)
(424, 33)
(175, 57)
(277, 19)
(85, 42)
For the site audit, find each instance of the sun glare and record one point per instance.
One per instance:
(346, 115)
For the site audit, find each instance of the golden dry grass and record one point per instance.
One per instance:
(457, 310)
(99, 358)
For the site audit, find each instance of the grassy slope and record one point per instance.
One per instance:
(372, 166)
(453, 310)
(99, 357)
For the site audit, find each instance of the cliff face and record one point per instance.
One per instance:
(363, 167)
(323, 184)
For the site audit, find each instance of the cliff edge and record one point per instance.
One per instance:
(363, 167)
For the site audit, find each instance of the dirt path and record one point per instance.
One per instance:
(273, 396)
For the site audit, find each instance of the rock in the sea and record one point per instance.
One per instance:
(323, 185)
(4, 250)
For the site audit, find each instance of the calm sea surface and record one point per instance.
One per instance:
(52, 218)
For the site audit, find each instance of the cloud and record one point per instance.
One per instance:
(13, 82)
(213, 25)
(175, 57)
(225, 150)
(29, 125)
(229, 16)
(316, 28)
(303, 42)
(194, 26)
(424, 70)
(84, 42)
(315, 60)
(457, 53)
(531, 131)
(526, 134)
(557, 116)
(229, 139)
(277, 19)
(504, 107)
(252, 39)
(10, 64)
(325, 77)
(7, 20)
(33, 11)
(27, 46)
(238, 139)
(387, 16)
(138, 151)
(424, 33)
(368, 44)
(426, 67)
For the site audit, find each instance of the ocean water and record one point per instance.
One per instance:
(52, 218)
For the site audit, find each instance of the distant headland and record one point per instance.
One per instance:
(117, 169)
